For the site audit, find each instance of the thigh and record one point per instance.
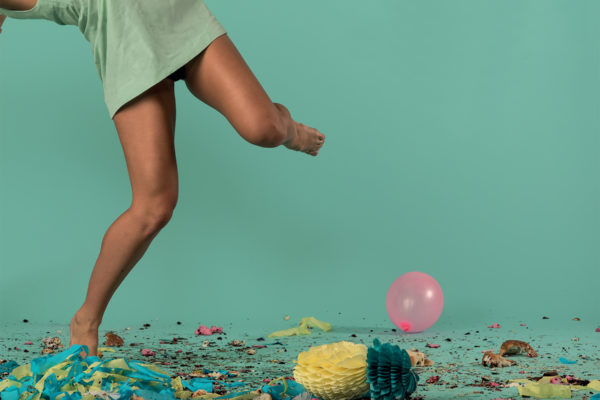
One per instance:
(146, 128)
(18, 5)
(220, 77)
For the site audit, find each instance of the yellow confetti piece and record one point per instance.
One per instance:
(545, 390)
(304, 329)
(106, 349)
(311, 322)
(594, 385)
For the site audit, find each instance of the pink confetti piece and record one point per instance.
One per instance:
(259, 346)
(147, 352)
(266, 380)
(523, 325)
(29, 342)
(179, 351)
(556, 380)
(521, 372)
(496, 325)
(484, 351)
(203, 330)
(433, 346)
(494, 384)
(597, 329)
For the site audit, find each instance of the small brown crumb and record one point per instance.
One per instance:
(494, 360)
(418, 359)
(113, 340)
(251, 351)
(517, 347)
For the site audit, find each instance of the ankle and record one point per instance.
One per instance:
(289, 125)
(86, 319)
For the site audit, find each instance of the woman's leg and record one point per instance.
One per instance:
(146, 127)
(220, 77)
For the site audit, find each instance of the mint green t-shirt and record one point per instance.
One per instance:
(135, 43)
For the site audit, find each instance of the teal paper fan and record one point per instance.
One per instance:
(389, 372)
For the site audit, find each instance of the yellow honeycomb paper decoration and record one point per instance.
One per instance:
(336, 371)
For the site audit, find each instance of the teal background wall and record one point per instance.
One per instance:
(462, 141)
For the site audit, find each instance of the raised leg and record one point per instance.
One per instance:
(146, 128)
(220, 77)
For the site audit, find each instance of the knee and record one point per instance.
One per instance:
(153, 214)
(266, 130)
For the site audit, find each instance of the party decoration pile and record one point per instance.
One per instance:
(68, 376)
(346, 370)
(304, 329)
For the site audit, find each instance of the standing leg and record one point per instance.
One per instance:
(220, 77)
(146, 131)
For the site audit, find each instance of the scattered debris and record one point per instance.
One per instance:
(113, 340)
(494, 325)
(565, 361)
(304, 329)
(510, 347)
(203, 330)
(51, 344)
(147, 352)
(431, 345)
(418, 359)
(495, 360)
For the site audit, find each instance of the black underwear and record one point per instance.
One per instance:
(177, 75)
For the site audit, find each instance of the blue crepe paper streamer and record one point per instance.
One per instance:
(293, 389)
(233, 394)
(8, 366)
(152, 385)
(565, 361)
(389, 372)
(198, 384)
(595, 397)
(147, 379)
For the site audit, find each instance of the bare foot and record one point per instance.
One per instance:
(84, 332)
(306, 139)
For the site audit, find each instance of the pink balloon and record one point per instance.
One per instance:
(414, 301)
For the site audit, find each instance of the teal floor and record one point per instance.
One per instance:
(457, 360)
